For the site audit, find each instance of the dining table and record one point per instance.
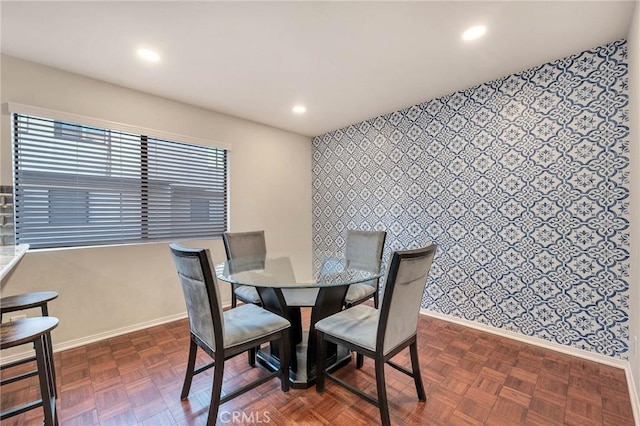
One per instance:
(284, 293)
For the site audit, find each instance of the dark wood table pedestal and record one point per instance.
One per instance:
(302, 371)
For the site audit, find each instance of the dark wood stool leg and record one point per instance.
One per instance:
(48, 353)
(49, 348)
(46, 385)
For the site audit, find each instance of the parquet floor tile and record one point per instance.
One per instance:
(471, 378)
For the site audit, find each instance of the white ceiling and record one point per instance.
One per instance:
(346, 61)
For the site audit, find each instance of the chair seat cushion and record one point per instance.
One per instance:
(249, 322)
(248, 294)
(358, 292)
(358, 324)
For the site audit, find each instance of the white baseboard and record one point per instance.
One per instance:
(70, 344)
(602, 359)
(633, 394)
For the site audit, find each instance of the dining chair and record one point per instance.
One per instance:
(244, 245)
(251, 247)
(364, 251)
(223, 335)
(381, 333)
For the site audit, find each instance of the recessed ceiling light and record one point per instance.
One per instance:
(299, 109)
(474, 32)
(148, 55)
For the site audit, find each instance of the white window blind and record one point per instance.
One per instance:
(79, 185)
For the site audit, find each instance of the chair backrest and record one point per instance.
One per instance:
(201, 293)
(403, 291)
(249, 247)
(364, 249)
(244, 244)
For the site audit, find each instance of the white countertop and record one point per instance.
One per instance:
(9, 257)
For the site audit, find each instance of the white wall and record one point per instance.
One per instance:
(106, 289)
(634, 122)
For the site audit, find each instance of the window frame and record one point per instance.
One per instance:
(146, 136)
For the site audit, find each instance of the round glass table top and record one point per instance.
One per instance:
(278, 272)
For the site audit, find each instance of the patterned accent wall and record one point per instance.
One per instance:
(523, 182)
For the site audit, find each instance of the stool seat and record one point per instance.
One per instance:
(26, 301)
(23, 331)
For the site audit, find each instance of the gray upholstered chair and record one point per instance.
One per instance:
(239, 245)
(382, 333)
(223, 335)
(364, 250)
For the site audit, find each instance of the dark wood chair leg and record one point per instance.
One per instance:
(321, 355)
(216, 389)
(417, 377)
(234, 299)
(382, 392)
(376, 298)
(284, 360)
(191, 365)
(251, 355)
(45, 377)
(359, 360)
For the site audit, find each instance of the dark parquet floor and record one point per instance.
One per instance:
(471, 378)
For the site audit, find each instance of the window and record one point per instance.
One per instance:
(79, 185)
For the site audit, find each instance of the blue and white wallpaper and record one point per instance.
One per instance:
(523, 182)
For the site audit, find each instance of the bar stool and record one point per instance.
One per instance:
(33, 330)
(21, 302)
